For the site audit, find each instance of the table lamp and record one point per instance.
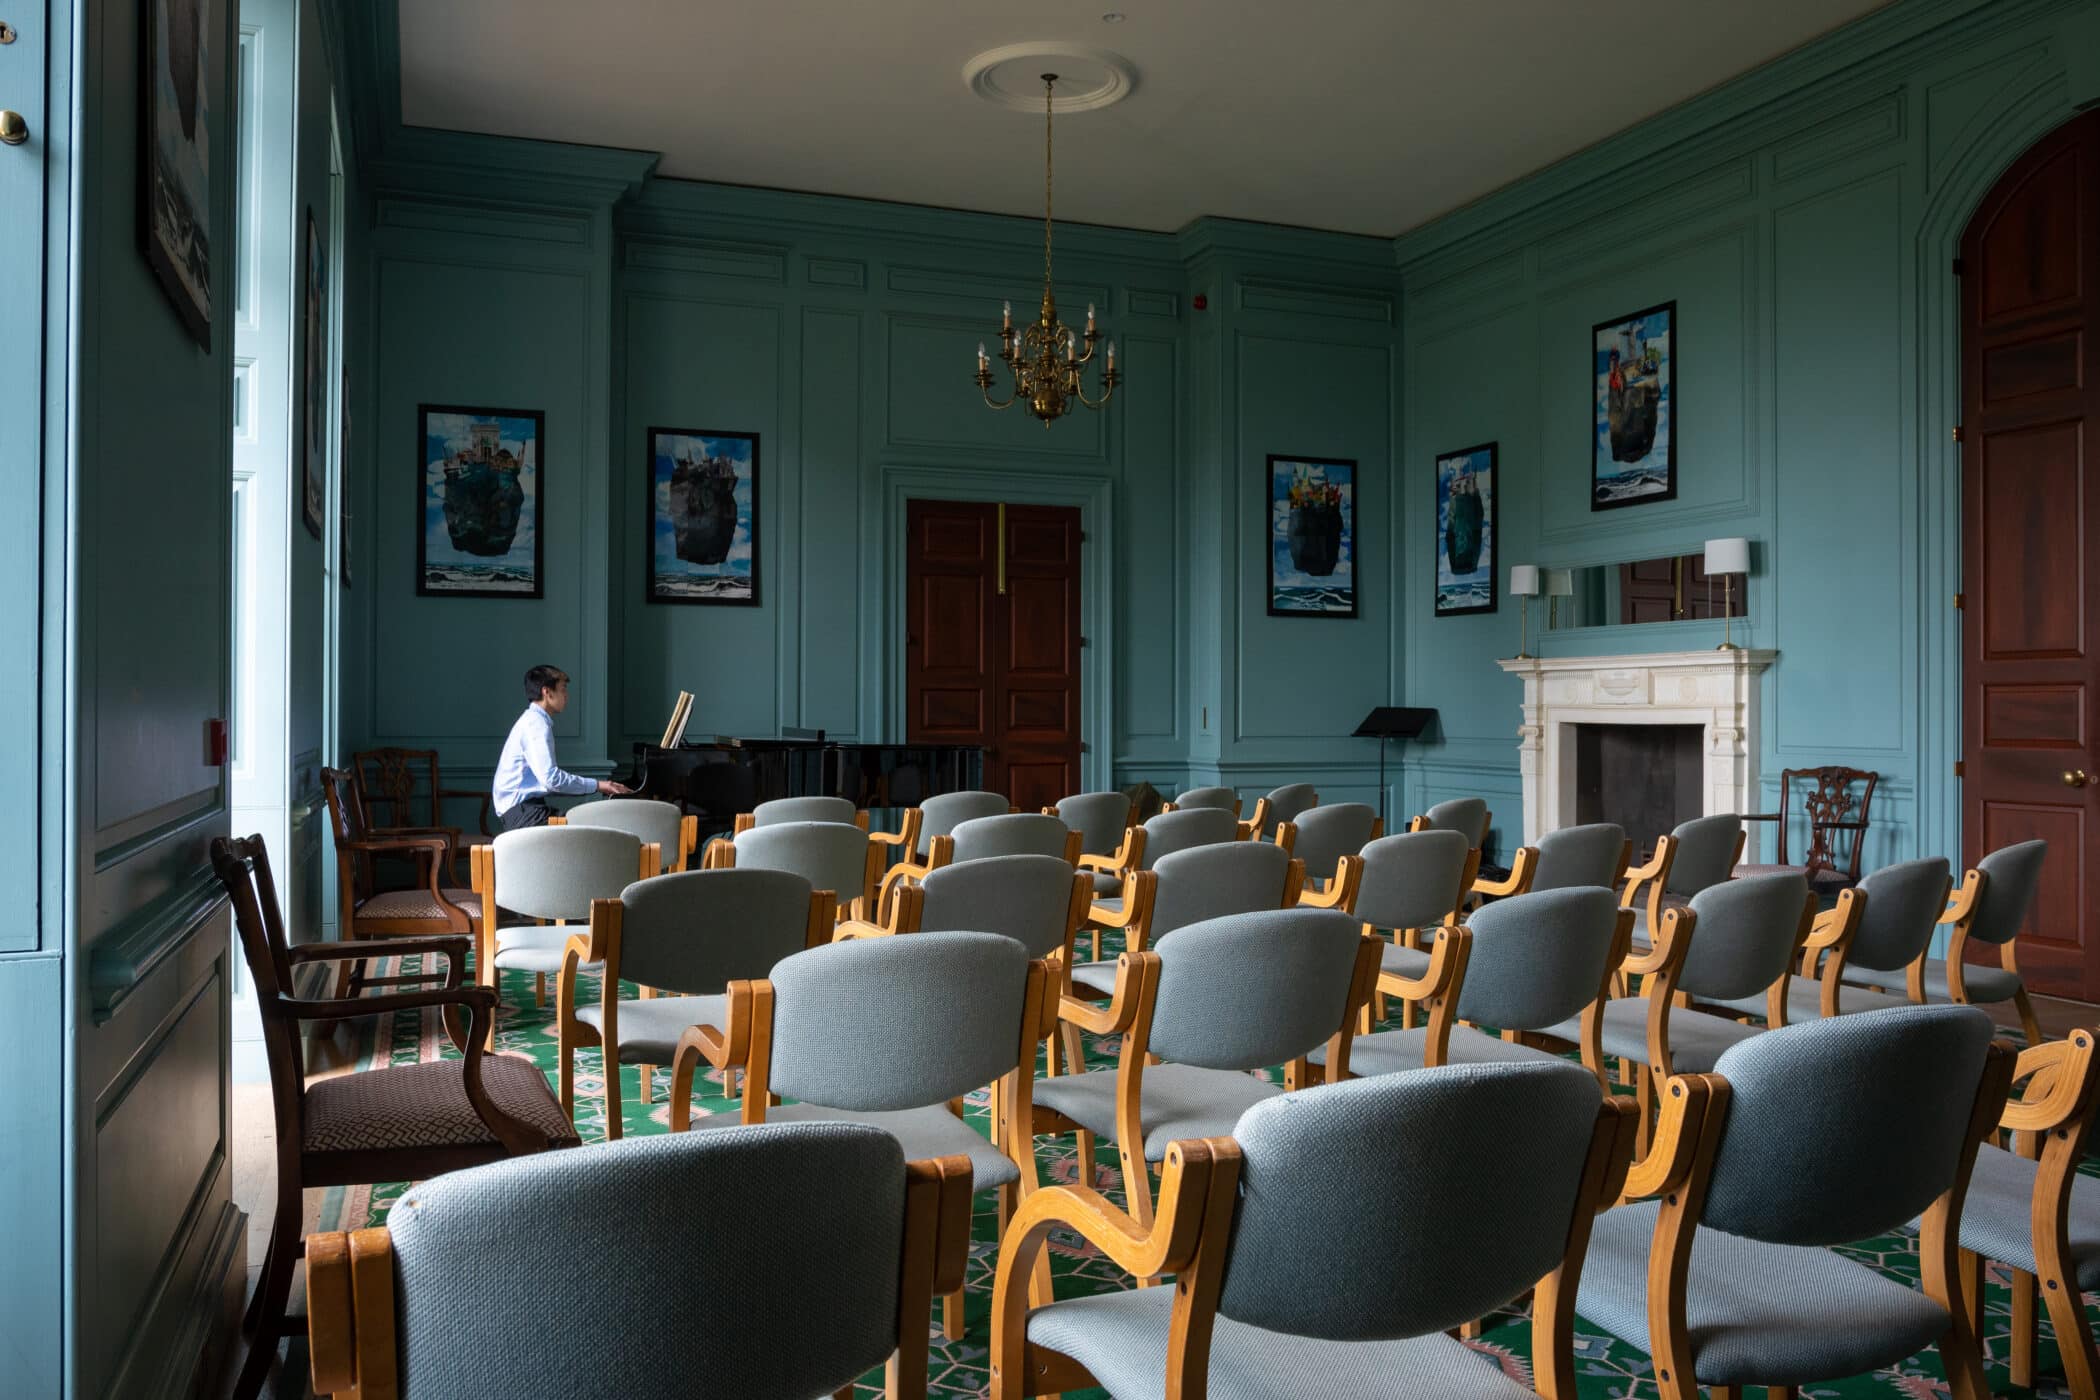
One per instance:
(1524, 585)
(1727, 558)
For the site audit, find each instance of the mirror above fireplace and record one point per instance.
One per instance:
(1674, 588)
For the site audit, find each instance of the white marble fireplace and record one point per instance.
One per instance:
(1715, 690)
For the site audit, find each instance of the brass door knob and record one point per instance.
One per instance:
(2076, 777)
(13, 129)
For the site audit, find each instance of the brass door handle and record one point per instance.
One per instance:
(2076, 778)
(13, 129)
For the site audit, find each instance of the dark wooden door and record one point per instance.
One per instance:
(2031, 519)
(992, 640)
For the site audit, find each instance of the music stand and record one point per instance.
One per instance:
(1392, 722)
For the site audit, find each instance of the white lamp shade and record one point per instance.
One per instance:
(1524, 580)
(1560, 583)
(1728, 556)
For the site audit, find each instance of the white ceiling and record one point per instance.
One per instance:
(1368, 116)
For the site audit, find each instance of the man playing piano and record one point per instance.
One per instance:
(527, 773)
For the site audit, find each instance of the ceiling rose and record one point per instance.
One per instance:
(1087, 78)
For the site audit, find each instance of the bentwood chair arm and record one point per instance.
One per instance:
(2059, 1094)
(906, 837)
(1961, 907)
(1658, 863)
(1522, 871)
(1197, 1172)
(1667, 946)
(1133, 972)
(1251, 829)
(1341, 889)
(1449, 948)
(1689, 1103)
(1139, 888)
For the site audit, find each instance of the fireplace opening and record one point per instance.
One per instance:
(1645, 777)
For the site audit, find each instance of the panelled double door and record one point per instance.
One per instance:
(992, 640)
(2030, 286)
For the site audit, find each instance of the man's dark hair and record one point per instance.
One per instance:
(541, 678)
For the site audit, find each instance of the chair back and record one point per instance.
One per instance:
(554, 872)
(1538, 959)
(784, 1285)
(697, 931)
(805, 809)
(1900, 910)
(830, 855)
(1209, 882)
(1706, 850)
(2011, 875)
(1573, 857)
(1326, 834)
(243, 868)
(880, 1024)
(1026, 898)
(642, 817)
(1010, 834)
(1465, 815)
(1500, 1222)
(1100, 818)
(939, 816)
(1744, 936)
(1291, 801)
(1412, 880)
(1222, 799)
(1252, 990)
(1181, 830)
(347, 822)
(398, 787)
(1846, 1127)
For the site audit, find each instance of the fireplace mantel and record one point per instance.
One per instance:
(1716, 690)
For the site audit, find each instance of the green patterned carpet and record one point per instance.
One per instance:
(1607, 1367)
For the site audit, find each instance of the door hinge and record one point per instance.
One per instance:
(1084, 642)
(1085, 747)
(1957, 267)
(1957, 768)
(1957, 432)
(1082, 537)
(1961, 600)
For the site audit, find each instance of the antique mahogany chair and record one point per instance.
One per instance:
(402, 1122)
(1835, 804)
(373, 914)
(776, 1263)
(1327, 1245)
(401, 789)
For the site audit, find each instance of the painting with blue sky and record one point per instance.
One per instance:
(1312, 537)
(1465, 531)
(480, 499)
(703, 516)
(1633, 449)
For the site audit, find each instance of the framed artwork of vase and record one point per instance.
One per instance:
(1465, 531)
(1633, 439)
(478, 499)
(175, 186)
(703, 517)
(1312, 537)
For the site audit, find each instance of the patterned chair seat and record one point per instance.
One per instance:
(922, 1133)
(418, 904)
(535, 947)
(650, 1027)
(1180, 1101)
(426, 1105)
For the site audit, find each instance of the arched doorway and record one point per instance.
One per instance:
(2030, 434)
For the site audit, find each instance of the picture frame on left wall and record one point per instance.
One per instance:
(478, 502)
(703, 517)
(175, 189)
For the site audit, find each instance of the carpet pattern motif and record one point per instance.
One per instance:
(1607, 1368)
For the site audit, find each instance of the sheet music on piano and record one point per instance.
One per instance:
(681, 711)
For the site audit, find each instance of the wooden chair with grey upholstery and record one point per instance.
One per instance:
(399, 1122)
(833, 856)
(940, 815)
(684, 938)
(1330, 842)
(890, 1032)
(675, 833)
(981, 838)
(431, 907)
(1116, 904)
(1904, 903)
(1411, 885)
(802, 809)
(1284, 804)
(1808, 1138)
(1210, 1001)
(794, 1258)
(1255, 1312)
(2037, 1184)
(1991, 908)
(1104, 821)
(1701, 852)
(1217, 799)
(1566, 858)
(1524, 966)
(1468, 816)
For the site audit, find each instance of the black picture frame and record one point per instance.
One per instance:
(726, 588)
(533, 501)
(1303, 535)
(1462, 599)
(1647, 489)
(313, 405)
(175, 183)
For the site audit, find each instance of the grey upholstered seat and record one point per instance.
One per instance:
(1213, 798)
(1901, 909)
(649, 1027)
(650, 821)
(939, 816)
(1362, 1315)
(805, 809)
(1836, 1130)
(1290, 802)
(1326, 834)
(1997, 1216)
(1027, 898)
(1100, 818)
(1572, 857)
(1412, 880)
(1537, 961)
(1204, 882)
(1804, 1001)
(1237, 993)
(554, 872)
(932, 1131)
(1467, 816)
(830, 855)
(1010, 834)
(783, 1280)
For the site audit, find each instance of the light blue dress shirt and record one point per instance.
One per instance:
(527, 768)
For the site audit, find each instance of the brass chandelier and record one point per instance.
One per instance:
(1044, 357)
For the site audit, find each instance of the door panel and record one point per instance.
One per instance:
(2031, 516)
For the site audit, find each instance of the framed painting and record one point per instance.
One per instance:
(703, 516)
(175, 195)
(1633, 448)
(313, 406)
(1465, 531)
(1312, 537)
(478, 501)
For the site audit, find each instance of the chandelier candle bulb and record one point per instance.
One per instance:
(1111, 355)
(1089, 320)
(984, 361)
(1006, 317)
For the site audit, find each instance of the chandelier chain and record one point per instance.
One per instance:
(1049, 126)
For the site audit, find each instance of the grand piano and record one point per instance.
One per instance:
(716, 780)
